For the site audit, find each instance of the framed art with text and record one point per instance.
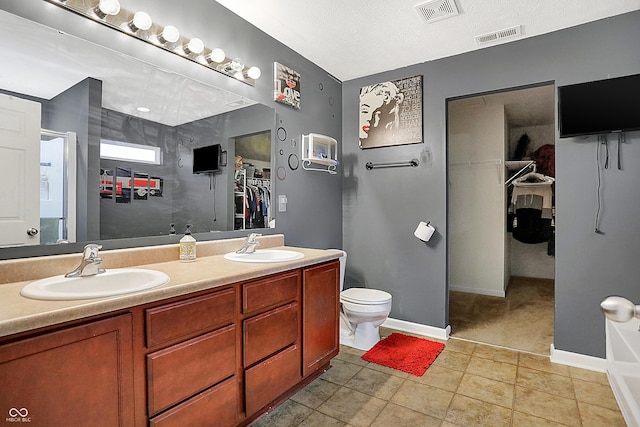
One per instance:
(391, 113)
(286, 85)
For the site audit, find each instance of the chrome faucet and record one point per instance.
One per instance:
(89, 264)
(250, 244)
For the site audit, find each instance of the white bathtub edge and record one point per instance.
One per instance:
(578, 360)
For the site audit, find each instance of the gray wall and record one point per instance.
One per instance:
(137, 218)
(382, 207)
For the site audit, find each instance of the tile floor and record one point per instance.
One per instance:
(468, 385)
(522, 320)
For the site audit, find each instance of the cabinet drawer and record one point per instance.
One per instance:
(266, 381)
(271, 291)
(177, 372)
(269, 332)
(190, 317)
(218, 405)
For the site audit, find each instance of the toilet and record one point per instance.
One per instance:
(362, 311)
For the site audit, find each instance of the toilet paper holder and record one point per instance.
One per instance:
(424, 231)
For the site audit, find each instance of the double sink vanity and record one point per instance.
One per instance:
(221, 343)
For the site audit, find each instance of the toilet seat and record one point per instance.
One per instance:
(365, 296)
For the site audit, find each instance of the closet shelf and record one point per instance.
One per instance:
(514, 165)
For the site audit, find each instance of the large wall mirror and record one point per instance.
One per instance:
(99, 110)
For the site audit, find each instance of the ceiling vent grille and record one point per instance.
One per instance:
(506, 33)
(432, 11)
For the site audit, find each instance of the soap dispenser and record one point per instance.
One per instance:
(187, 246)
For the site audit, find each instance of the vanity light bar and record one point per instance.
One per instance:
(140, 26)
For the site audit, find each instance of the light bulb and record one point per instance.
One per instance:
(107, 7)
(254, 73)
(141, 21)
(170, 34)
(217, 55)
(236, 65)
(195, 45)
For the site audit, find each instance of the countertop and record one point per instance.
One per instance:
(20, 314)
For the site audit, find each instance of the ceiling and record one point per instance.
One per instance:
(533, 106)
(43, 62)
(356, 38)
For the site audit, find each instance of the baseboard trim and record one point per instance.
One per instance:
(417, 328)
(560, 357)
(489, 292)
(578, 360)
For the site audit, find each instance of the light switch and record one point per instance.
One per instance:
(282, 203)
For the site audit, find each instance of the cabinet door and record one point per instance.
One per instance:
(78, 376)
(321, 308)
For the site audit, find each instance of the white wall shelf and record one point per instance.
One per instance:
(320, 150)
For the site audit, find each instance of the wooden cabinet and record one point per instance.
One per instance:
(321, 314)
(216, 406)
(271, 338)
(180, 371)
(192, 381)
(214, 358)
(270, 332)
(271, 291)
(81, 375)
(188, 318)
(269, 379)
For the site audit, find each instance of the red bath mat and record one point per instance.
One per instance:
(405, 353)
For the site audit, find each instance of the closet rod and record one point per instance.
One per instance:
(478, 162)
(413, 163)
(531, 164)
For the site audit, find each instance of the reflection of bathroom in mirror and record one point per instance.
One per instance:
(104, 97)
(252, 182)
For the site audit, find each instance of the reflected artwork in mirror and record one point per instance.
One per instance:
(154, 118)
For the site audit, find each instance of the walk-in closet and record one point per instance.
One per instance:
(252, 182)
(501, 217)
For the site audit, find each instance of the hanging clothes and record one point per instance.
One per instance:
(532, 204)
(257, 195)
(545, 158)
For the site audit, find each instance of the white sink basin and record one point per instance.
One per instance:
(265, 255)
(115, 281)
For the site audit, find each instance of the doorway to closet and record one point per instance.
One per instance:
(501, 171)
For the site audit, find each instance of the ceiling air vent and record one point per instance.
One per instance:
(432, 11)
(506, 33)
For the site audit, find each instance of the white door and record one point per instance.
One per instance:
(19, 171)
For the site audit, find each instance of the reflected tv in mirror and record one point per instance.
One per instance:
(206, 159)
(598, 107)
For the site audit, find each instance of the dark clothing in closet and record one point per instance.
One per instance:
(531, 227)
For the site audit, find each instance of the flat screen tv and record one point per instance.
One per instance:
(206, 159)
(599, 107)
